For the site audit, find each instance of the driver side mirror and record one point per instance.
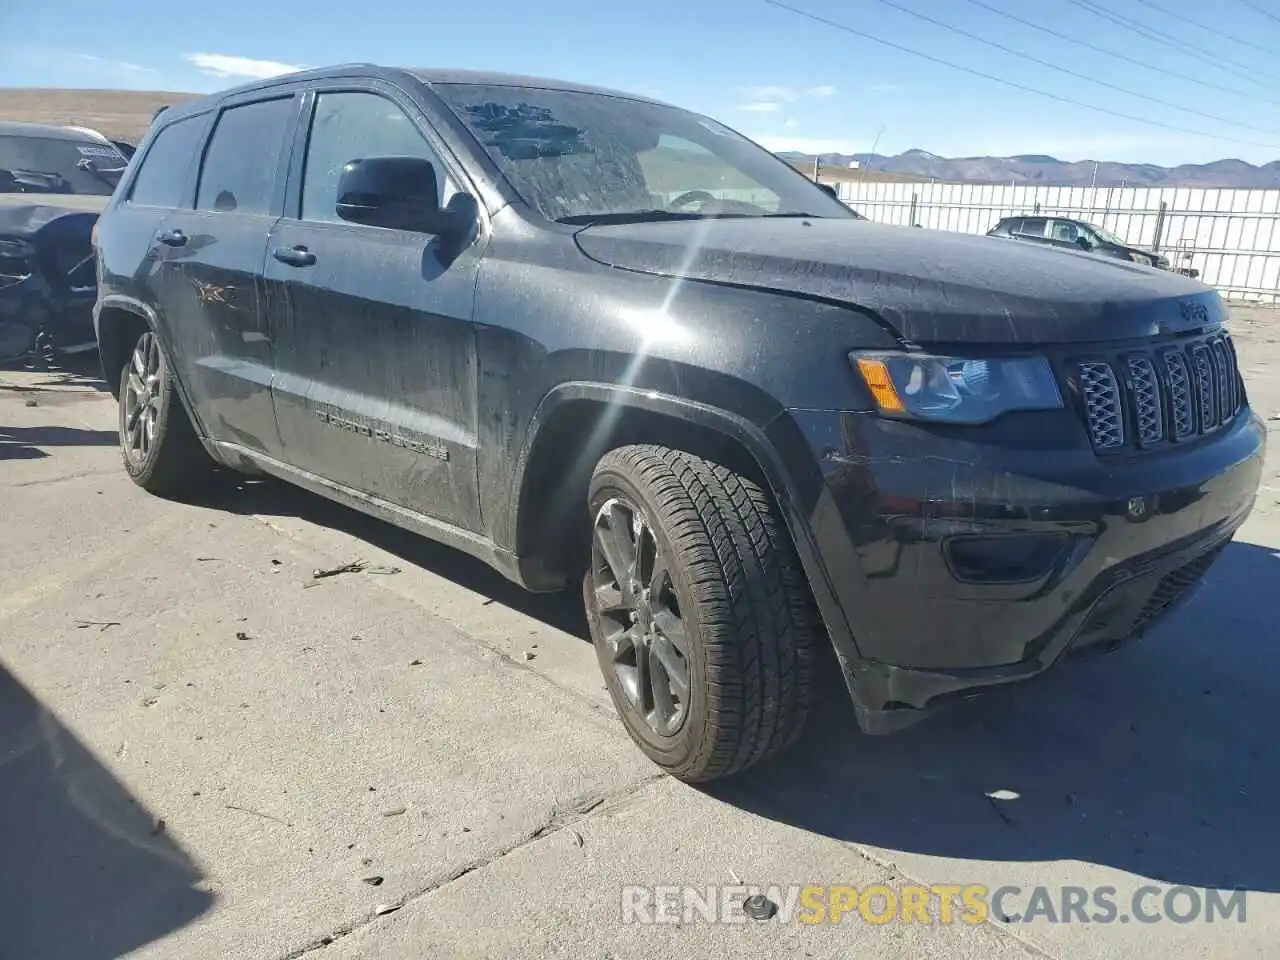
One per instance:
(1083, 243)
(401, 193)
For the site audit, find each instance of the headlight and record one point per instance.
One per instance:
(956, 389)
(1140, 258)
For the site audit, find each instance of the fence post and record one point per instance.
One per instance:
(1160, 225)
(1036, 208)
(915, 197)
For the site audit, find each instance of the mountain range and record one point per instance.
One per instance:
(1040, 169)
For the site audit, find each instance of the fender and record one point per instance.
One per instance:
(116, 301)
(754, 439)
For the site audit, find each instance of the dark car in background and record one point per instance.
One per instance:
(1068, 233)
(54, 181)
(603, 342)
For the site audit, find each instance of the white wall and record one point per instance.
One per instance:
(1232, 236)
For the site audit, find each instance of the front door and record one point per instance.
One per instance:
(212, 296)
(375, 385)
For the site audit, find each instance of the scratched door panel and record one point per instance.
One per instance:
(375, 365)
(213, 304)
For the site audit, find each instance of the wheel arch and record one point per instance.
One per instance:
(577, 422)
(118, 322)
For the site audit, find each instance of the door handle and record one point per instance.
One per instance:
(294, 256)
(173, 238)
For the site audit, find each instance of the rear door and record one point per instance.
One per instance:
(375, 354)
(133, 259)
(212, 292)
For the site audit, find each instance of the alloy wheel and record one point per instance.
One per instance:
(142, 398)
(639, 616)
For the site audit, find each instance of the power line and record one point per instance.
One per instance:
(1077, 74)
(1200, 26)
(1120, 56)
(1150, 33)
(1265, 13)
(1001, 80)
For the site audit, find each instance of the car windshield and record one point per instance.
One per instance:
(580, 157)
(54, 165)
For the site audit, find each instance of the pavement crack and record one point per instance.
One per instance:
(562, 816)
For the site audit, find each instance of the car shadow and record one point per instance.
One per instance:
(1158, 759)
(85, 870)
(28, 443)
(265, 496)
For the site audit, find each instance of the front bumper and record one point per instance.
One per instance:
(957, 564)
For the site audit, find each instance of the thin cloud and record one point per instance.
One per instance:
(762, 106)
(226, 66)
(778, 94)
(113, 64)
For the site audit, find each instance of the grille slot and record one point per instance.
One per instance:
(1101, 394)
(1181, 409)
(1148, 414)
(1206, 396)
(1144, 400)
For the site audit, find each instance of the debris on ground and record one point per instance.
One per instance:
(577, 838)
(383, 909)
(355, 566)
(394, 812)
(529, 654)
(372, 881)
(275, 563)
(415, 663)
(102, 625)
(158, 828)
(242, 636)
(258, 813)
(208, 559)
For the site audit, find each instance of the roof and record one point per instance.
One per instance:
(50, 131)
(428, 75)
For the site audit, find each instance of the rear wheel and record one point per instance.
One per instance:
(699, 612)
(157, 442)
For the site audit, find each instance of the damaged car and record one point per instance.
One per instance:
(54, 181)
(608, 344)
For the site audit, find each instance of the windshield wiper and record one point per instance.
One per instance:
(645, 216)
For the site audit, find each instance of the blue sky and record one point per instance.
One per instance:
(776, 75)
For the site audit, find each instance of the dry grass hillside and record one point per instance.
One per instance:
(120, 114)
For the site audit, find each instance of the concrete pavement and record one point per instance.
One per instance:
(204, 752)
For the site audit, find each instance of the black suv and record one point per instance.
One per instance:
(1067, 233)
(593, 338)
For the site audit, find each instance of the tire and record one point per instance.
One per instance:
(733, 605)
(159, 447)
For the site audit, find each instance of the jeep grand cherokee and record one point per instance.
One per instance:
(590, 337)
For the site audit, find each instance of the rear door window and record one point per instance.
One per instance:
(1031, 227)
(162, 178)
(241, 163)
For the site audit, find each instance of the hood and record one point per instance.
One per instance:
(929, 285)
(26, 214)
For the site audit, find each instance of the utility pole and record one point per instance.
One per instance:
(817, 165)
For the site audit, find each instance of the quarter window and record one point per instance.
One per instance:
(239, 171)
(350, 126)
(162, 178)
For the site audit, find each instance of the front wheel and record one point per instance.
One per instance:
(157, 442)
(699, 612)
